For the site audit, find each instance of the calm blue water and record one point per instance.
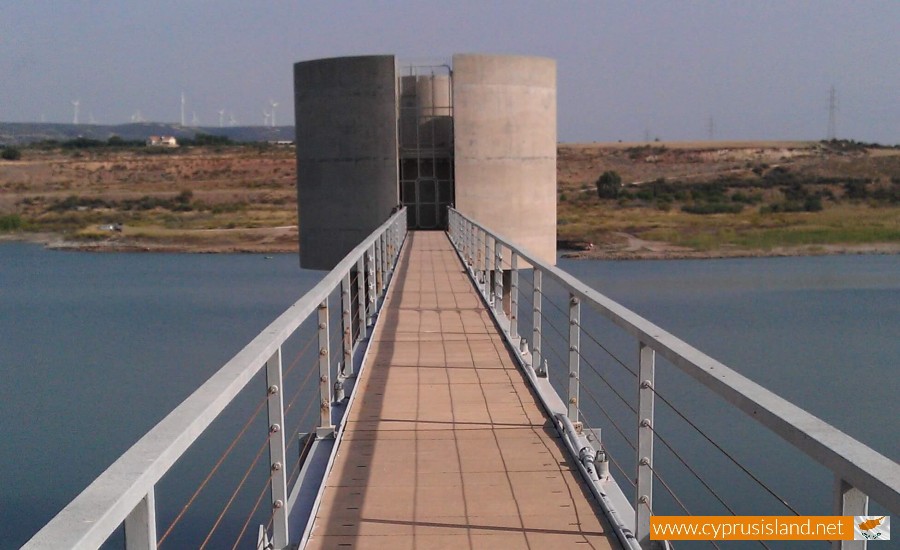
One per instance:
(822, 332)
(95, 349)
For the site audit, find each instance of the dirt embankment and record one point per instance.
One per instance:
(673, 200)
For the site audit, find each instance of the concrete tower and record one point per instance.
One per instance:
(480, 135)
(346, 123)
(504, 117)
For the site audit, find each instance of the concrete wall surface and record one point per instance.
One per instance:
(346, 124)
(504, 110)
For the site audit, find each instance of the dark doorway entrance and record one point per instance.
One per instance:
(426, 145)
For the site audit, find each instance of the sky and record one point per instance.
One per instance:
(673, 70)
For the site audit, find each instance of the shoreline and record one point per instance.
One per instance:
(878, 249)
(641, 250)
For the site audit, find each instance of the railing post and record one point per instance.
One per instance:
(486, 288)
(498, 277)
(471, 238)
(277, 452)
(326, 428)
(482, 246)
(378, 264)
(476, 251)
(347, 325)
(397, 243)
(470, 244)
(514, 296)
(370, 286)
(384, 263)
(140, 525)
(395, 235)
(644, 489)
(389, 245)
(392, 239)
(574, 357)
(361, 295)
(463, 237)
(452, 228)
(849, 501)
(536, 324)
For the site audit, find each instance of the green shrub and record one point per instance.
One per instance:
(856, 189)
(778, 176)
(83, 143)
(207, 139)
(786, 206)
(813, 203)
(10, 222)
(738, 196)
(713, 193)
(11, 153)
(795, 192)
(74, 202)
(712, 208)
(116, 141)
(609, 184)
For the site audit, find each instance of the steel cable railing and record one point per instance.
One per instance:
(212, 471)
(496, 265)
(237, 489)
(611, 457)
(235, 440)
(728, 455)
(693, 471)
(259, 497)
(615, 425)
(717, 446)
(301, 388)
(125, 492)
(656, 474)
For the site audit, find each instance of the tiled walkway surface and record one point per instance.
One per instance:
(446, 447)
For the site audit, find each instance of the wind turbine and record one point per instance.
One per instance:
(273, 104)
(76, 103)
(266, 116)
(182, 108)
(231, 120)
(221, 117)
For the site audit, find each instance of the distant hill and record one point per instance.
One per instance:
(22, 133)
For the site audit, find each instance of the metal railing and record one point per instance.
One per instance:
(125, 492)
(494, 262)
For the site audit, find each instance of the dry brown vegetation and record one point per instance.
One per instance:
(730, 199)
(211, 199)
(775, 198)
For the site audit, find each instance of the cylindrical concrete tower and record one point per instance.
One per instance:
(504, 112)
(346, 123)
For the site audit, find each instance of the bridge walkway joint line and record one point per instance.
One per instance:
(446, 445)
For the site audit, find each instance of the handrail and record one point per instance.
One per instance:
(111, 498)
(854, 464)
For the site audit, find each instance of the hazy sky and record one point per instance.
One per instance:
(625, 69)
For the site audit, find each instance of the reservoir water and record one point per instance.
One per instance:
(97, 348)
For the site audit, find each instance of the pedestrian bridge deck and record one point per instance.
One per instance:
(446, 445)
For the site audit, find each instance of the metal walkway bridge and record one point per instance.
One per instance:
(448, 417)
(446, 445)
